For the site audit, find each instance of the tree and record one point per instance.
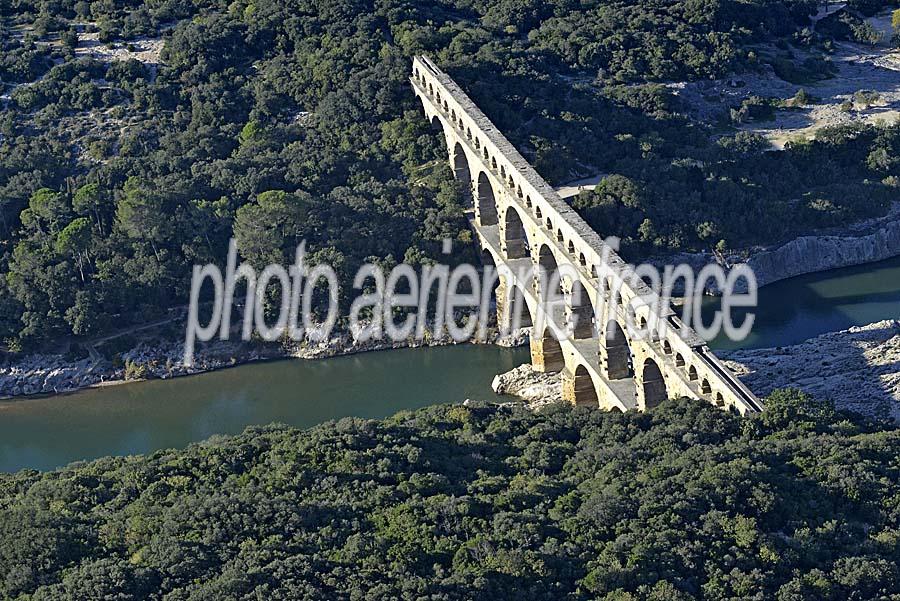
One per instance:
(74, 241)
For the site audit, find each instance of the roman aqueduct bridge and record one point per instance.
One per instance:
(525, 228)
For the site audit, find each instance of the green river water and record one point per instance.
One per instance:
(44, 433)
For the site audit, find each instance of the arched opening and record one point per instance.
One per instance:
(519, 192)
(720, 400)
(461, 166)
(582, 260)
(528, 201)
(518, 313)
(537, 212)
(580, 312)
(705, 386)
(549, 270)
(667, 347)
(615, 352)
(514, 242)
(679, 360)
(692, 374)
(559, 236)
(436, 125)
(487, 205)
(653, 386)
(494, 163)
(583, 392)
(571, 247)
(549, 224)
(546, 353)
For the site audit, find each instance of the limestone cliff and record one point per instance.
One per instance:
(819, 253)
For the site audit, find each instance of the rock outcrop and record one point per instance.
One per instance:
(858, 369)
(535, 388)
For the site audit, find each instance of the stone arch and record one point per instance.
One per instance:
(547, 261)
(494, 163)
(430, 89)
(537, 212)
(653, 385)
(679, 360)
(528, 201)
(546, 353)
(705, 386)
(692, 374)
(519, 192)
(571, 247)
(667, 347)
(514, 241)
(720, 400)
(486, 155)
(583, 393)
(580, 312)
(549, 224)
(559, 235)
(582, 260)
(487, 204)
(461, 165)
(502, 174)
(615, 352)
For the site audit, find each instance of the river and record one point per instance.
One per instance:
(141, 417)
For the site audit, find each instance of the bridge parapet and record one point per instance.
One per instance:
(515, 207)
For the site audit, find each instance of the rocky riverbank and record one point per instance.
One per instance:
(858, 369)
(54, 374)
(535, 388)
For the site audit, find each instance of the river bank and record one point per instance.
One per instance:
(857, 368)
(44, 374)
(868, 241)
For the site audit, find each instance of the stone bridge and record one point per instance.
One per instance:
(543, 251)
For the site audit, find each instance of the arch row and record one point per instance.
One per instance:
(502, 171)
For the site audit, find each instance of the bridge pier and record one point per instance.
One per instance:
(546, 353)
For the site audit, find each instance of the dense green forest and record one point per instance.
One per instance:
(282, 120)
(481, 502)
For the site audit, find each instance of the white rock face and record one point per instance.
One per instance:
(859, 368)
(535, 388)
(819, 253)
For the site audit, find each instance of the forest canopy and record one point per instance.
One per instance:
(478, 502)
(120, 170)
